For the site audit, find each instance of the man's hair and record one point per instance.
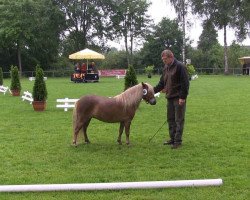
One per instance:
(167, 53)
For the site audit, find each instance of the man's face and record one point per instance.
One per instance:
(166, 60)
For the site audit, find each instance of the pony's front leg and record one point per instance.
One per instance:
(85, 126)
(127, 131)
(119, 139)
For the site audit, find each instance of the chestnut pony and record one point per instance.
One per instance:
(120, 108)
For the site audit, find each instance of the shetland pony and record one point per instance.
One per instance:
(120, 108)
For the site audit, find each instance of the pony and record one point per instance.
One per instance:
(119, 109)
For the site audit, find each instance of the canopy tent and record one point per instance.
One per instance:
(244, 60)
(86, 54)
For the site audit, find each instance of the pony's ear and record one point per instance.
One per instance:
(144, 85)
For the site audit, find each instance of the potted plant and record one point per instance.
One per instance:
(149, 70)
(39, 91)
(15, 85)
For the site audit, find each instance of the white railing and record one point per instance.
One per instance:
(27, 96)
(66, 103)
(3, 89)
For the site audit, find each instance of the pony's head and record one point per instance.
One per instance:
(148, 93)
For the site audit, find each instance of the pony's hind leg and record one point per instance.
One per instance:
(76, 131)
(119, 139)
(85, 126)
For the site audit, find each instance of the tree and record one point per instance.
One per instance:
(129, 21)
(208, 37)
(224, 13)
(181, 7)
(165, 35)
(31, 29)
(114, 60)
(86, 22)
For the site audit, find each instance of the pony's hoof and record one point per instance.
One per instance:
(87, 142)
(119, 142)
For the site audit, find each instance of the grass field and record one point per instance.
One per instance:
(35, 148)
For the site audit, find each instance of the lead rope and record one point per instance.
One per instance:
(157, 131)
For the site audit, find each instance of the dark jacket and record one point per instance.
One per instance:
(174, 81)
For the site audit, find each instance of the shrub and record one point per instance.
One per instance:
(39, 89)
(15, 80)
(130, 78)
(149, 70)
(191, 70)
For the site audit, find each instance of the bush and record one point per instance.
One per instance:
(191, 70)
(149, 70)
(1, 76)
(15, 80)
(39, 89)
(130, 78)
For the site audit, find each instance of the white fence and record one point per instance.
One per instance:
(27, 96)
(3, 89)
(66, 103)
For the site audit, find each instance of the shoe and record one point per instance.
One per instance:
(176, 146)
(169, 142)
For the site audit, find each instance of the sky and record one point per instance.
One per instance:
(160, 9)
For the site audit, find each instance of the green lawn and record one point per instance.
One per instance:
(35, 147)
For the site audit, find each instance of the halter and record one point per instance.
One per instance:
(144, 93)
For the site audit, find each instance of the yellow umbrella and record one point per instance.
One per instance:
(86, 54)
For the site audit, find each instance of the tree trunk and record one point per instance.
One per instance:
(126, 47)
(183, 38)
(131, 48)
(225, 51)
(19, 59)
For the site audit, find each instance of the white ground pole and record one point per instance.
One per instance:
(110, 186)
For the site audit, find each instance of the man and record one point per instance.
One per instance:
(174, 81)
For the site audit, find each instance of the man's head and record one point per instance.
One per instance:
(167, 56)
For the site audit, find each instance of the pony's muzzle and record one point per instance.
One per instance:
(152, 101)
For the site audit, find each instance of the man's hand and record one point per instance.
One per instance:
(182, 101)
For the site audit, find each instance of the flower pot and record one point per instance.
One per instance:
(39, 105)
(15, 92)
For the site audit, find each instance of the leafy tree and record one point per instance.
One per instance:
(30, 29)
(129, 20)
(181, 8)
(208, 37)
(86, 21)
(224, 13)
(114, 60)
(130, 78)
(235, 51)
(165, 35)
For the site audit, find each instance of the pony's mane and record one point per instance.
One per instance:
(132, 96)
